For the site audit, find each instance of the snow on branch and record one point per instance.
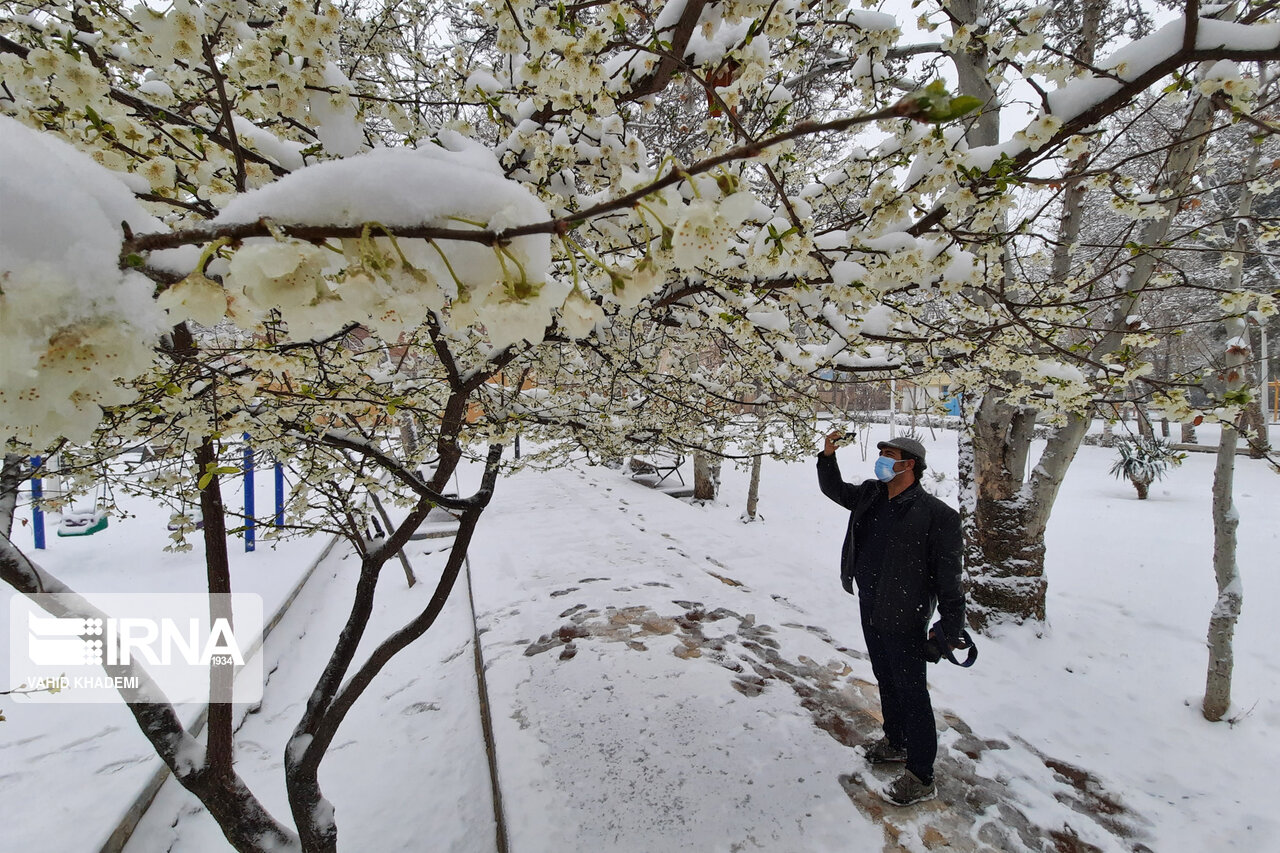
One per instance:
(72, 321)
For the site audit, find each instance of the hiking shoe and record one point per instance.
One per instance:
(883, 752)
(908, 789)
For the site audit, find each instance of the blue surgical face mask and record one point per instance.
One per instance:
(884, 469)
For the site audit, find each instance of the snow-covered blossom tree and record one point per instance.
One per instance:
(323, 225)
(1075, 332)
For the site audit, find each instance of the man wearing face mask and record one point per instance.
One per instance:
(902, 551)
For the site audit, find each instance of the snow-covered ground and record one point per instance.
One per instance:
(662, 675)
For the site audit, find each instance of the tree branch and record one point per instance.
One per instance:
(226, 121)
(329, 704)
(316, 233)
(146, 108)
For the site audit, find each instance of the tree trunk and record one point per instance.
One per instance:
(247, 826)
(1189, 433)
(1222, 622)
(337, 690)
(408, 435)
(1144, 421)
(973, 69)
(706, 476)
(1004, 518)
(1108, 434)
(753, 490)
(317, 830)
(12, 474)
(1143, 488)
(1006, 556)
(1255, 427)
(220, 749)
(1010, 511)
(1007, 580)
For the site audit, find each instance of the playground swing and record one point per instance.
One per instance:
(85, 522)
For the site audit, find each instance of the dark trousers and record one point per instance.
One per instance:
(899, 666)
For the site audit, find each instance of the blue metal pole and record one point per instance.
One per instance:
(248, 496)
(37, 514)
(279, 495)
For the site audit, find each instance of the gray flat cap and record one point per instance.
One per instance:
(906, 445)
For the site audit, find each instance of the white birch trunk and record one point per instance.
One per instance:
(1226, 610)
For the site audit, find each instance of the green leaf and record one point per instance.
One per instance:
(780, 119)
(212, 470)
(935, 103)
(1240, 397)
(668, 237)
(960, 105)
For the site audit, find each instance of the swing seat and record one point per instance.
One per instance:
(83, 522)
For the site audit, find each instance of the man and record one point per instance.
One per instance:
(903, 552)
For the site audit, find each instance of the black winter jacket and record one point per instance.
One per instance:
(922, 566)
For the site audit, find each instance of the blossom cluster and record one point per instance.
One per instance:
(72, 325)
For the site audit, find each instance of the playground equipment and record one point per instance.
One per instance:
(193, 519)
(82, 522)
(75, 521)
(250, 519)
(87, 521)
(37, 514)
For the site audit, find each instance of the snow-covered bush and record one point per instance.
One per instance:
(1144, 460)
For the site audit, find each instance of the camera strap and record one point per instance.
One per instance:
(968, 644)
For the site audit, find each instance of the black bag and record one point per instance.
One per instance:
(936, 648)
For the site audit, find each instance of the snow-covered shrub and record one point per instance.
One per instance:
(1144, 460)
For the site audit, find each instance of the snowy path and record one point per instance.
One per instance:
(630, 736)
